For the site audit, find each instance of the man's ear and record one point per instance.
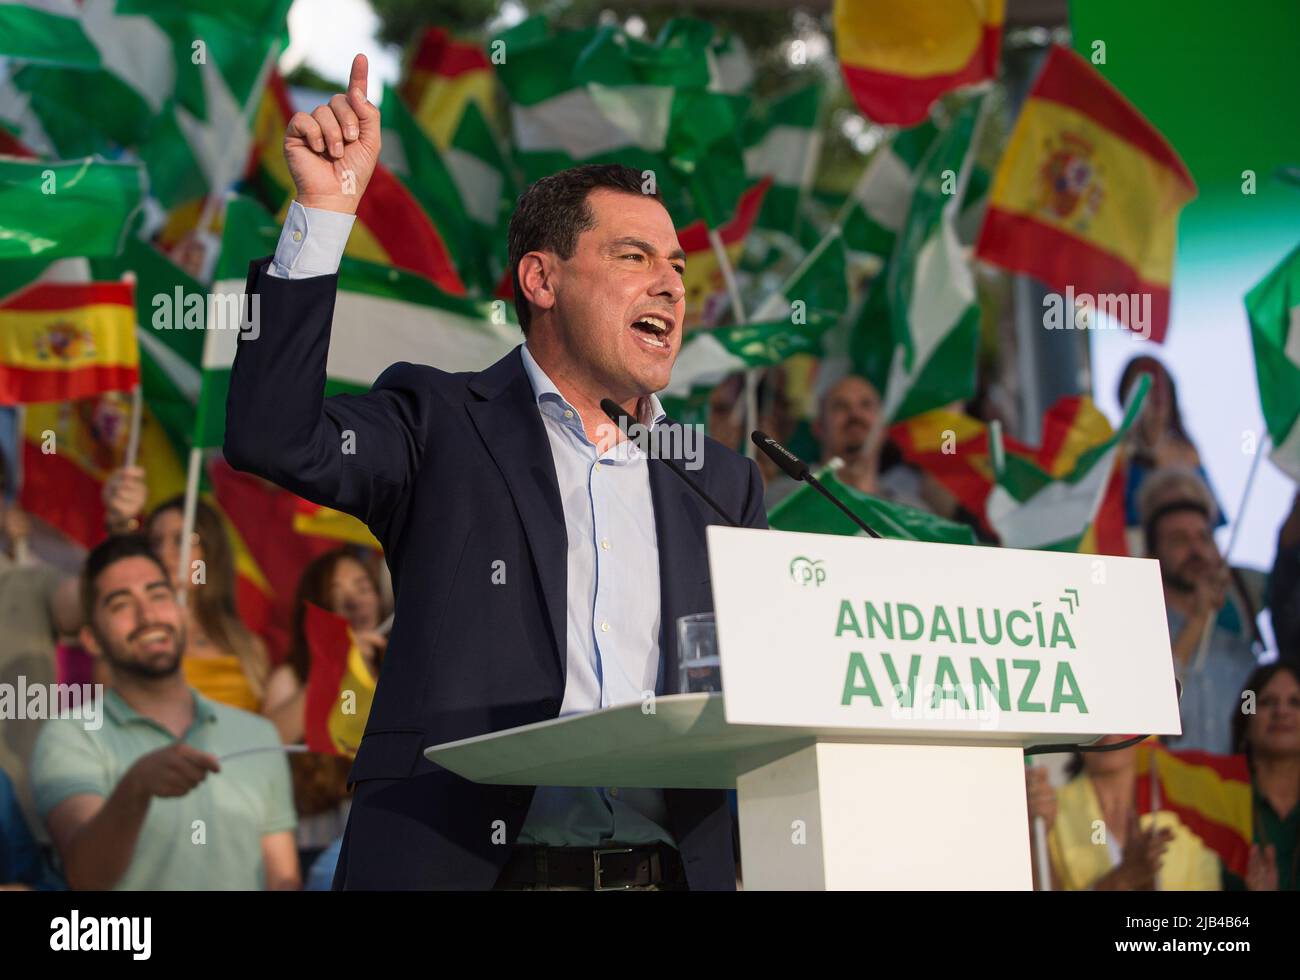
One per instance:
(535, 272)
(90, 642)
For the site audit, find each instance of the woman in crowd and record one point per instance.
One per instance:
(223, 659)
(341, 583)
(1269, 737)
(1097, 839)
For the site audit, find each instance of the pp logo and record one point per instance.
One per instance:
(805, 571)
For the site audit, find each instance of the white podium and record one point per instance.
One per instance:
(878, 695)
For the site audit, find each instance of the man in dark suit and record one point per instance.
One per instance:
(540, 561)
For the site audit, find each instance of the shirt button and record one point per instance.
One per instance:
(604, 627)
(297, 236)
(597, 466)
(613, 791)
(604, 543)
(568, 413)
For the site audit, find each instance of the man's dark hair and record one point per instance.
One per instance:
(553, 212)
(110, 552)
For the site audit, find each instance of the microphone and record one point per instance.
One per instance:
(620, 418)
(797, 470)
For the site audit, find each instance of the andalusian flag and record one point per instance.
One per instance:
(391, 227)
(47, 31)
(340, 690)
(444, 78)
(381, 315)
(918, 329)
(673, 107)
(808, 510)
(706, 291)
(1210, 793)
(1087, 196)
(783, 141)
(1055, 510)
(792, 320)
(898, 56)
(486, 184)
(50, 209)
(878, 205)
(65, 341)
(1274, 310)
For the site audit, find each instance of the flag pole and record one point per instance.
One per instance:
(22, 547)
(1207, 631)
(187, 522)
(133, 438)
(738, 315)
(1042, 857)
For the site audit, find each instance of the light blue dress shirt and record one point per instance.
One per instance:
(612, 624)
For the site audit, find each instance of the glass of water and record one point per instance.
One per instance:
(700, 668)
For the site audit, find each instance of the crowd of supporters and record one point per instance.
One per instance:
(182, 781)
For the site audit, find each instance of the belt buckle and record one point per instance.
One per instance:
(597, 871)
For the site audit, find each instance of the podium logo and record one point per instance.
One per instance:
(805, 571)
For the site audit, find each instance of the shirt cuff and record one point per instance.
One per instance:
(311, 243)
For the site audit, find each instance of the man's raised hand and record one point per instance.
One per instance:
(332, 152)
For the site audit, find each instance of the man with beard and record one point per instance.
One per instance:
(1178, 520)
(163, 795)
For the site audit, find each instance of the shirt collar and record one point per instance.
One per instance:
(544, 390)
(122, 713)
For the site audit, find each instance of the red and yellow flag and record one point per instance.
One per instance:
(325, 522)
(340, 689)
(63, 341)
(443, 76)
(1087, 197)
(391, 227)
(1210, 793)
(705, 287)
(954, 449)
(898, 56)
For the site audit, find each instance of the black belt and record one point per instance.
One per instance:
(615, 866)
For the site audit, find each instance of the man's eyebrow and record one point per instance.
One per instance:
(646, 247)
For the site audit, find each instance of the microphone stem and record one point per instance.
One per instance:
(816, 483)
(699, 490)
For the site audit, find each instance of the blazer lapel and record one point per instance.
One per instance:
(511, 427)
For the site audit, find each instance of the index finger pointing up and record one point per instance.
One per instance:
(360, 70)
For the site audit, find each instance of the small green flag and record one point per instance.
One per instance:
(808, 510)
(1273, 307)
(50, 209)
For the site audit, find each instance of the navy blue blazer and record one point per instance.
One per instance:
(453, 474)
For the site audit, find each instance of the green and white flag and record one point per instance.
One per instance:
(928, 290)
(50, 209)
(1273, 307)
(599, 95)
(807, 510)
(1029, 508)
(485, 183)
(412, 156)
(783, 141)
(381, 315)
(790, 321)
(876, 210)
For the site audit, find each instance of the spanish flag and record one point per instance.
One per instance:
(325, 522)
(898, 56)
(705, 286)
(954, 449)
(340, 689)
(391, 227)
(442, 78)
(1210, 793)
(1087, 196)
(64, 341)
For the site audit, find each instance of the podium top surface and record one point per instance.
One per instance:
(686, 743)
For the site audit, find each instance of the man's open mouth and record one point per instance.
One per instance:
(654, 331)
